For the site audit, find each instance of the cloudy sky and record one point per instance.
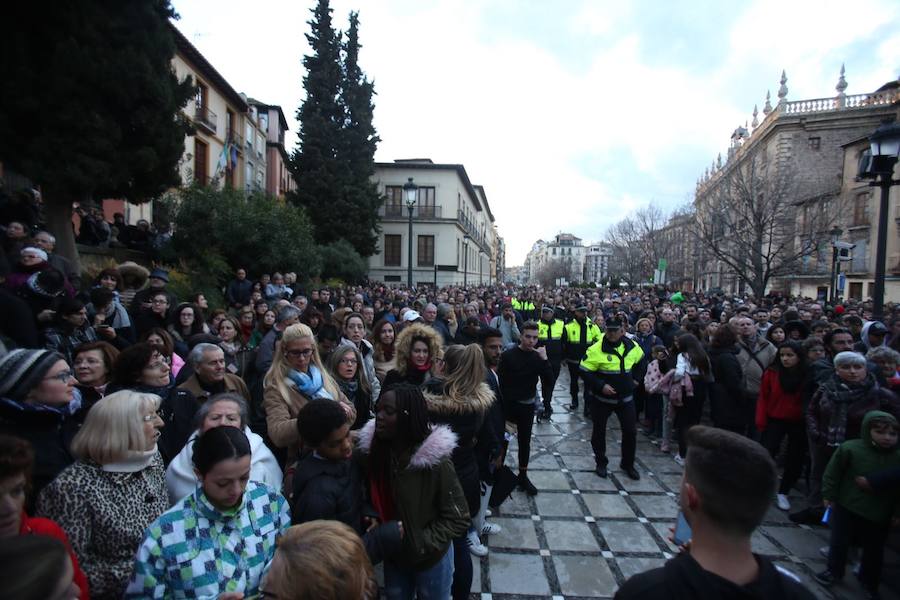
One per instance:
(570, 114)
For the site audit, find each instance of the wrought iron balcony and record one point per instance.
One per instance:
(399, 211)
(206, 118)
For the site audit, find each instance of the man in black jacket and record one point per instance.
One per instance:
(239, 289)
(520, 368)
(727, 487)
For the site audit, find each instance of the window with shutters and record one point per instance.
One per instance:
(425, 248)
(392, 250)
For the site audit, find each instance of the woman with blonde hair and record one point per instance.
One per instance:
(461, 400)
(417, 348)
(115, 489)
(320, 560)
(296, 377)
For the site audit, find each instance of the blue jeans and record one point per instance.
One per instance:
(431, 584)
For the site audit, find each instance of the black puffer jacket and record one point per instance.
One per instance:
(50, 433)
(333, 490)
(467, 418)
(726, 393)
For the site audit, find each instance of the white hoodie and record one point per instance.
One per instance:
(181, 480)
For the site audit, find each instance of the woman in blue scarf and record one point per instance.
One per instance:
(296, 377)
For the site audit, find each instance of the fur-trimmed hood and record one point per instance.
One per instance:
(437, 446)
(405, 339)
(439, 403)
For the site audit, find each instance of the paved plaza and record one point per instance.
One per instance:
(582, 536)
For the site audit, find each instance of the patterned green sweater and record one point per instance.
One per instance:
(196, 551)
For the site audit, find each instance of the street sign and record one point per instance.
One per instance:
(842, 280)
(663, 263)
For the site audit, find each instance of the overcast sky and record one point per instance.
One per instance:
(570, 114)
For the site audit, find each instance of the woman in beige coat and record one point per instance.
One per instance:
(296, 377)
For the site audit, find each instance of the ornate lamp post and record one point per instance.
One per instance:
(879, 166)
(411, 191)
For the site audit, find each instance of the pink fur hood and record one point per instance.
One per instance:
(437, 446)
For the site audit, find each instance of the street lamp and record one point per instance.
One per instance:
(411, 191)
(466, 239)
(879, 166)
(835, 237)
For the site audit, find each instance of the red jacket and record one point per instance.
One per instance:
(774, 402)
(39, 526)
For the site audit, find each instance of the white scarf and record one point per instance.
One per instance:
(134, 462)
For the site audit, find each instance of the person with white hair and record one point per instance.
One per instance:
(106, 499)
(222, 410)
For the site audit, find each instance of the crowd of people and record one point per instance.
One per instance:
(175, 449)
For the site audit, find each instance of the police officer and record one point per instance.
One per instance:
(578, 334)
(550, 332)
(609, 388)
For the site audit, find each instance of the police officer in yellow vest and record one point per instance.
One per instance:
(609, 388)
(524, 307)
(550, 332)
(578, 335)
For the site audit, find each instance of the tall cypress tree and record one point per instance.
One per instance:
(334, 163)
(320, 176)
(358, 145)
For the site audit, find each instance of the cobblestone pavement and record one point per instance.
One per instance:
(582, 536)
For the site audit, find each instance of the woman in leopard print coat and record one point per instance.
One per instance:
(107, 498)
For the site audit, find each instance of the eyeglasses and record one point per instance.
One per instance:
(159, 301)
(349, 361)
(62, 376)
(299, 353)
(152, 417)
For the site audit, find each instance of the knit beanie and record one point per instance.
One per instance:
(22, 370)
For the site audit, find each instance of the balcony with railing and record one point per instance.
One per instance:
(235, 139)
(399, 211)
(206, 118)
(472, 231)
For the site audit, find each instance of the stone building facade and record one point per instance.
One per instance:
(797, 150)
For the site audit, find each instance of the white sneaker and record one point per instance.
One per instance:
(679, 460)
(491, 529)
(475, 545)
(782, 502)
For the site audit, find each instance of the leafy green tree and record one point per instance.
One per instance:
(257, 232)
(91, 107)
(341, 261)
(359, 142)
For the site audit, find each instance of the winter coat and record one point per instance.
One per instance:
(426, 494)
(776, 403)
(726, 393)
(46, 527)
(368, 355)
(825, 403)
(104, 515)
(754, 361)
(861, 457)
(466, 417)
(195, 551)
(231, 383)
(181, 479)
(50, 433)
(64, 339)
(281, 416)
(333, 490)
